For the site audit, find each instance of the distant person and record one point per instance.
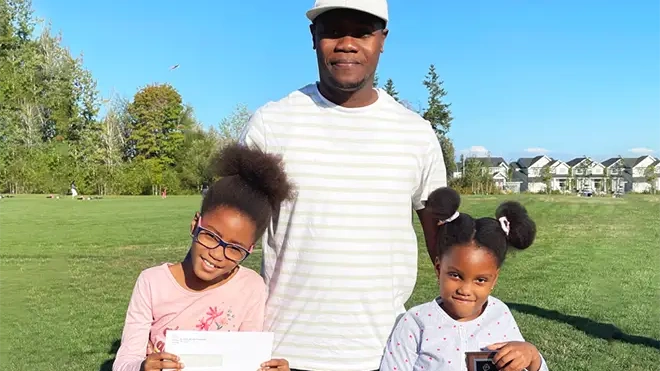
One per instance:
(209, 290)
(464, 317)
(74, 190)
(340, 260)
(205, 190)
(163, 193)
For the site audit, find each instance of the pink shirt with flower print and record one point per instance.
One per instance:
(159, 304)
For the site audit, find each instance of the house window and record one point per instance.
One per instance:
(597, 184)
(562, 184)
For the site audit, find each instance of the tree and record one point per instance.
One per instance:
(617, 170)
(232, 126)
(155, 114)
(651, 176)
(438, 114)
(546, 177)
(583, 171)
(389, 89)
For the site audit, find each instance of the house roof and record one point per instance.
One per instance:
(525, 162)
(634, 161)
(575, 161)
(656, 163)
(519, 176)
(490, 161)
(630, 161)
(610, 161)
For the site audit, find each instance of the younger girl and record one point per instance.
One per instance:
(209, 290)
(435, 336)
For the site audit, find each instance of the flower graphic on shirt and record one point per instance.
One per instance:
(216, 317)
(204, 324)
(213, 313)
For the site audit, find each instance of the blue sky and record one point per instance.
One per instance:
(569, 78)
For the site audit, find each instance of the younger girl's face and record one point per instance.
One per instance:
(224, 238)
(466, 276)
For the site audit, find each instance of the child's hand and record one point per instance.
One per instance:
(516, 356)
(275, 364)
(159, 361)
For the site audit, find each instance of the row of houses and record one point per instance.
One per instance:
(536, 174)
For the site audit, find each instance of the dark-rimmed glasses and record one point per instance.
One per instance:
(210, 240)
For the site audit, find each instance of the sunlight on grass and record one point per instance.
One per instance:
(67, 269)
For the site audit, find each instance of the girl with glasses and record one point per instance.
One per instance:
(209, 290)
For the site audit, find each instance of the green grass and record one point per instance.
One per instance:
(586, 293)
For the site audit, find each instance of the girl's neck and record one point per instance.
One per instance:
(189, 280)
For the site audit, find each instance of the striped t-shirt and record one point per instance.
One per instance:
(340, 260)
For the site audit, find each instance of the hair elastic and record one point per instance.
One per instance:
(504, 223)
(450, 219)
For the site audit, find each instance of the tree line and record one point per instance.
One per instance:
(52, 132)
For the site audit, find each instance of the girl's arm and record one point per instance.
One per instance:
(135, 337)
(512, 333)
(401, 350)
(255, 311)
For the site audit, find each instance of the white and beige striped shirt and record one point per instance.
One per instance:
(340, 260)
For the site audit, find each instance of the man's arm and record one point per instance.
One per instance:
(434, 175)
(429, 227)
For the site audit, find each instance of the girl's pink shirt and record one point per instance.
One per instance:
(159, 304)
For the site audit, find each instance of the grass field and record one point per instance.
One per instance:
(587, 293)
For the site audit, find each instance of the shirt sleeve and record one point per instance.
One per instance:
(254, 317)
(512, 333)
(137, 326)
(433, 176)
(402, 349)
(254, 132)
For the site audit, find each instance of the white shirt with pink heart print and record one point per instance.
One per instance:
(426, 338)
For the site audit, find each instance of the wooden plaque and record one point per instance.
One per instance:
(480, 361)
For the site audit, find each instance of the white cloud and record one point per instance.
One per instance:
(537, 150)
(476, 151)
(641, 151)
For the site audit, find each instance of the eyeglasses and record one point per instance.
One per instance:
(210, 240)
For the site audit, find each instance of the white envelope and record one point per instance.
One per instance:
(219, 350)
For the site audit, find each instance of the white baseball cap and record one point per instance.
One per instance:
(376, 8)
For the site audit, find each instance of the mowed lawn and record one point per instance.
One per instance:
(586, 293)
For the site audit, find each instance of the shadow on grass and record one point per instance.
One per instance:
(107, 365)
(604, 331)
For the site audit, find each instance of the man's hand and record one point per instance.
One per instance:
(516, 356)
(275, 364)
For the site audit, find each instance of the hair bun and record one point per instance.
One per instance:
(261, 171)
(443, 203)
(522, 229)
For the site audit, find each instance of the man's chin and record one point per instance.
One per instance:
(348, 86)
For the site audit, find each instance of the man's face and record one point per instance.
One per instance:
(348, 44)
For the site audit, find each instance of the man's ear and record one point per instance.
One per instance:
(312, 31)
(382, 43)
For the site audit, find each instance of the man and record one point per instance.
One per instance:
(340, 260)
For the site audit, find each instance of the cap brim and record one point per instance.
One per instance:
(312, 14)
